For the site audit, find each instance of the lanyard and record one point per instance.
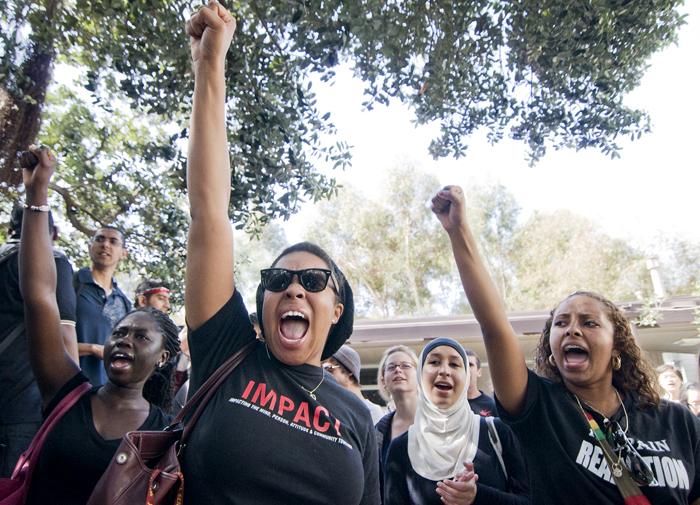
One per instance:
(628, 488)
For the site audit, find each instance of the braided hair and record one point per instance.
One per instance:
(158, 389)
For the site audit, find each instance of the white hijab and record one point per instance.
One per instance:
(441, 440)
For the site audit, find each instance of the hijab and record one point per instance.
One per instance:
(441, 440)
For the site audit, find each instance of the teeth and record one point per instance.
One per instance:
(574, 347)
(293, 313)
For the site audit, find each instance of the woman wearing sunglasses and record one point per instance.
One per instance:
(451, 455)
(278, 430)
(591, 423)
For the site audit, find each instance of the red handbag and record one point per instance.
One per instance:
(13, 491)
(145, 468)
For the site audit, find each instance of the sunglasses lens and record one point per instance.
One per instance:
(314, 280)
(275, 279)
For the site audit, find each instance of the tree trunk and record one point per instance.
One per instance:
(20, 112)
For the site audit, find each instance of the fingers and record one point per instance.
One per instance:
(452, 491)
(213, 16)
(45, 156)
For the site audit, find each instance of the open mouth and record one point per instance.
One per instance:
(444, 386)
(575, 356)
(293, 326)
(120, 360)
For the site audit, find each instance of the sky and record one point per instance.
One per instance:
(653, 189)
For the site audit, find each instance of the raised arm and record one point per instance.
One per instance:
(506, 360)
(209, 276)
(51, 363)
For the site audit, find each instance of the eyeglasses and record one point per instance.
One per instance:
(404, 365)
(329, 367)
(633, 461)
(312, 280)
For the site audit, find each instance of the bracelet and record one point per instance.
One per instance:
(37, 208)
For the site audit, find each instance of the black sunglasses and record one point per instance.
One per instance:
(633, 461)
(312, 280)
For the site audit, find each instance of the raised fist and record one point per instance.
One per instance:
(211, 29)
(37, 176)
(448, 206)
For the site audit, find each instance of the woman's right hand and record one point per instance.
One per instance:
(211, 29)
(461, 490)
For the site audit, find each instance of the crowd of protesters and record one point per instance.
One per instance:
(592, 424)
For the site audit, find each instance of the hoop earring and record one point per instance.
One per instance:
(616, 362)
(551, 361)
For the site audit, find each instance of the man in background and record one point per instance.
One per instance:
(345, 367)
(153, 293)
(480, 402)
(20, 400)
(100, 302)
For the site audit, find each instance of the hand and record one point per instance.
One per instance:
(98, 351)
(448, 206)
(211, 29)
(461, 490)
(36, 179)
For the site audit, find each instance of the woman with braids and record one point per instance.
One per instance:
(278, 429)
(591, 423)
(138, 359)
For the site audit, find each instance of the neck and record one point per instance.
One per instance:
(356, 390)
(674, 395)
(103, 276)
(130, 396)
(405, 405)
(473, 393)
(602, 397)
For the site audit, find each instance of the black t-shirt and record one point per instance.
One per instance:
(383, 432)
(403, 486)
(20, 400)
(565, 461)
(263, 439)
(75, 455)
(483, 405)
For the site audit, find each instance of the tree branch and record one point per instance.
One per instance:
(71, 208)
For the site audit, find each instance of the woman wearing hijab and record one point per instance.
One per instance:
(449, 455)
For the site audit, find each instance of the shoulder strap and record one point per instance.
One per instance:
(496, 443)
(26, 461)
(6, 252)
(11, 337)
(206, 391)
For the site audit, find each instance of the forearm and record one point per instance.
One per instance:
(90, 350)
(506, 359)
(37, 268)
(208, 165)
(70, 341)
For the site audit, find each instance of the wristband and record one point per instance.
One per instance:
(37, 208)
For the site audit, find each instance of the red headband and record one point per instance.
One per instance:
(155, 291)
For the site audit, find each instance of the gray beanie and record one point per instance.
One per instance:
(348, 357)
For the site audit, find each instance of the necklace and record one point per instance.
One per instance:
(605, 418)
(312, 391)
(615, 465)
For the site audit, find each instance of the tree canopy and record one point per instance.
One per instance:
(551, 74)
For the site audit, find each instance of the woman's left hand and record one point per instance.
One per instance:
(36, 179)
(461, 490)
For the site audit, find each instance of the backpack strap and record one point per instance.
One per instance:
(496, 443)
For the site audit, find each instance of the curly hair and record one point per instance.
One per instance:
(383, 392)
(635, 373)
(158, 389)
